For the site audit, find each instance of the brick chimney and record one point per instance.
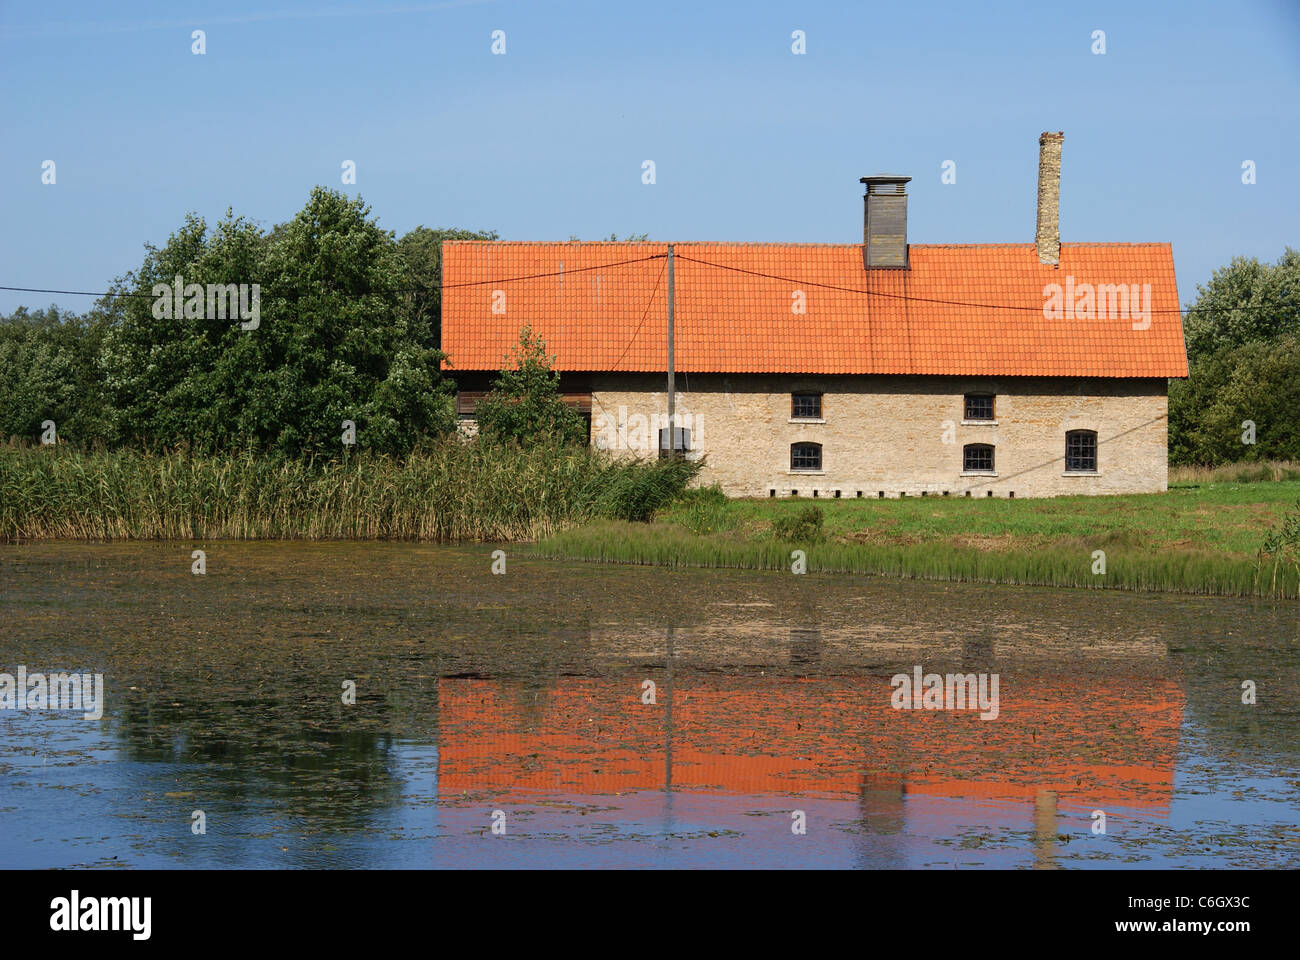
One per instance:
(1048, 236)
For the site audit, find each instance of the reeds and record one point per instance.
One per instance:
(447, 491)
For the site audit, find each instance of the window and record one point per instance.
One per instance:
(977, 458)
(805, 456)
(681, 440)
(979, 406)
(806, 406)
(1081, 451)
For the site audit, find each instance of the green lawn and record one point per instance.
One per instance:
(1224, 517)
(1195, 538)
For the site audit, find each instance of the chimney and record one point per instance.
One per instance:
(884, 227)
(1048, 236)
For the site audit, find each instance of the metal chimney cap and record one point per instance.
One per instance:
(884, 178)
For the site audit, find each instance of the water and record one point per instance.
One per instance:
(517, 701)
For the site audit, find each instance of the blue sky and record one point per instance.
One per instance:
(750, 141)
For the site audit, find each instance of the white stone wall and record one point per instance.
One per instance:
(896, 435)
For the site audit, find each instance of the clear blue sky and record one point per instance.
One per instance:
(751, 142)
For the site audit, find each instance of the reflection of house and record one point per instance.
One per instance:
(869, 369)
(1088, 741)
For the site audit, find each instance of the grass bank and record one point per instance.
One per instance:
(1201, 538)
(1260, 471)
(450, 491)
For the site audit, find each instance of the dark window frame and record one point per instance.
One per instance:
(809, 449)
(973, 456)
(794, 406)
(1081, 451)
(685, 438)
(980, 398)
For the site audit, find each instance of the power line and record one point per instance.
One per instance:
(645, 313)
(77, 293)
(895, 296)
(555, 273)
(368, 293)
(660, 256)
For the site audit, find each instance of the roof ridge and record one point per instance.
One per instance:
(1026, 244)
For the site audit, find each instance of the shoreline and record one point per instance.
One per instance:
(1192, 540)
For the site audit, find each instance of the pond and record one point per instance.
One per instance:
(397, 705)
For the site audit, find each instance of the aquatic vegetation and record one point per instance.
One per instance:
(1281, 545)
(444, 491)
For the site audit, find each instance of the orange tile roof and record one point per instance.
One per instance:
(1089, 739)
(959, 309)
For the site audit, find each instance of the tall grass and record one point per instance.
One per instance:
(1262, 471)
(447, 491)
(1176, 571)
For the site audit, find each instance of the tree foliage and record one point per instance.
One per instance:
(337, 339)
(1212, 412)
(346, 329)
(421, 249)
(49, 371)
(525, 404)
(1243, 347)
(615, 238)
(1246, 301)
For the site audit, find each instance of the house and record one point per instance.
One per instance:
(879, 369)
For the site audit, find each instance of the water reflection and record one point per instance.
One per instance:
(1089, 742)
(526, 694)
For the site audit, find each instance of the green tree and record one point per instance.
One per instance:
(164, 372)
(337, 339)
(48, 371)
(1257, 382)
(343, 344)
(1243, 351)
(1245, 301)
(524, 404)
(421, 250)
(614, 238)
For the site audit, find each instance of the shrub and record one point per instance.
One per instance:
(802, 527)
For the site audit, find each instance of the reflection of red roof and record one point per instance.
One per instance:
(959, 309)
(1097, 741)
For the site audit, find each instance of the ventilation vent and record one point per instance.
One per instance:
(884, 233)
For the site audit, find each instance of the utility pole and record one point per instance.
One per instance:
(672, 384)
